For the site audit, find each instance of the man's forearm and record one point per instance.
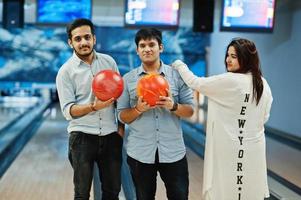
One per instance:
(120, 129)
(184, 110)
(81, 110)
(129, 115)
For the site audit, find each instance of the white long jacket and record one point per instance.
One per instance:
(235, 151)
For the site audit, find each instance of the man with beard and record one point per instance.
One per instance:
(95, 135)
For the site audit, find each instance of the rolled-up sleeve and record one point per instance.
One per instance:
(66, 93)
(185, 93)
(268, 104)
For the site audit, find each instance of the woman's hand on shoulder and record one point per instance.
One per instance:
(177, 64)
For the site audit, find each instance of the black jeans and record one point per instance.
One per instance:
(174, 176)
(84, 151)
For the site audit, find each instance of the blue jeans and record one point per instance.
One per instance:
(174, 176)
(84, 151)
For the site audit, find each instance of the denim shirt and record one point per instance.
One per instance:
(156, 129)
(73, 82)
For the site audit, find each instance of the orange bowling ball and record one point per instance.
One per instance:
(107, 84)
(151, 86)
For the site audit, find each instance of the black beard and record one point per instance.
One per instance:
(83, 56)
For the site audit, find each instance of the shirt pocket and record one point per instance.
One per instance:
(83, 89)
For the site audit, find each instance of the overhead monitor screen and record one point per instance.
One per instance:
(62, 11)
(248, 15)
(155, 13)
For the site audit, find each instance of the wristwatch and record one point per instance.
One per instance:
(174, 107)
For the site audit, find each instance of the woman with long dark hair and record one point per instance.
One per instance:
(239, 104)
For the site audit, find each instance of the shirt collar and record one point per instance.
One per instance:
(78, 61)
(162, 70)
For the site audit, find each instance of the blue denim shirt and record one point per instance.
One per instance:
(157, 129)
(73, 83)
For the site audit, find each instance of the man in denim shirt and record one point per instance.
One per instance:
(94, 134)
(155, 141)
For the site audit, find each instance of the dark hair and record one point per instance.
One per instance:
(148, 33)
(248, 60)
(78, 23)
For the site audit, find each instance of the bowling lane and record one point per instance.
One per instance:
(41, 170)
(12, 108)
(284, 161)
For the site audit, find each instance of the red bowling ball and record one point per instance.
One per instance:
(107, 84)
(151, 86)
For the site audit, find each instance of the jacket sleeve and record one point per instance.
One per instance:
(268, 104)
(215, 87)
